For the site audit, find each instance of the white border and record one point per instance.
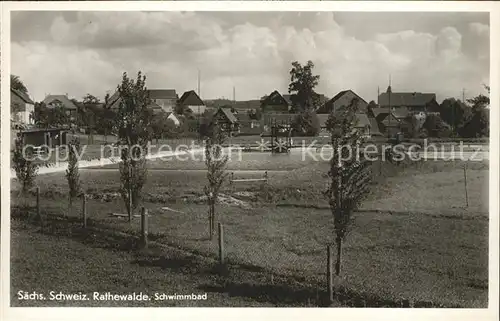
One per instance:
(255, 313)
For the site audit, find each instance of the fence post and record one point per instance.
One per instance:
(84, 211)
(130, 204)
(465, 182)
(38, 201)
(329, 273)
(221, 244)
(144, 228)
(38, 211)
(231, 182)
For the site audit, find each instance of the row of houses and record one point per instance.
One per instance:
(162, 100)
(391, 114)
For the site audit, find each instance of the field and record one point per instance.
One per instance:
(413, 237)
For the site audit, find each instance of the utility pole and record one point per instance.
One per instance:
(199, 95)
(463, 95)
(389, 91)
(234, 94)
(199, 73)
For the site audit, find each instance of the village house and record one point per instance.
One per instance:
(226, 120)
(388, 122)
(275, 103)
(342, 99)
(62, 101)
(23, 106)
(413, 101)
(191, 100)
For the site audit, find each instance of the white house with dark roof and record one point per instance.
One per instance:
(24, 107)
(53, 101)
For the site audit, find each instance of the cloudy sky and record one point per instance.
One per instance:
(86, 52)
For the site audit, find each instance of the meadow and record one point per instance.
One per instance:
(413, 238)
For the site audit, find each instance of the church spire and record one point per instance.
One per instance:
(389, 88)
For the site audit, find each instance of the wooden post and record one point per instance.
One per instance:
(130, 194)
(84, 210)
(465, 182)
(231, 182)
(38, 213)
(144, 228)
(221, 244)
(329, 273)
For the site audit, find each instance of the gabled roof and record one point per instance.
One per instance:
(342, 93)
(68, 104)
(275, 95)
(405, 99)
(229, 115)
(326, 106)
(162, 94)
(22, 95)
(191, 98)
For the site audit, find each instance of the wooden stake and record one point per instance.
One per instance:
(144, 228)
(329, 273)
(465, 182)
(38, 212)
(221, 244)
(84, 211)
(129, 194)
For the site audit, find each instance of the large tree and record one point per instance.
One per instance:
(478, 125)
(301, 88)
(17, 83)
(455, 113)
(133, 123)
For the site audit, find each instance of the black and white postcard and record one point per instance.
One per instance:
(330, 156)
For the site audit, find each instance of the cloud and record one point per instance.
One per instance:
(88, 51)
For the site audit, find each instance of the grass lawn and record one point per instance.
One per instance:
(413, 239)
(91, 263)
